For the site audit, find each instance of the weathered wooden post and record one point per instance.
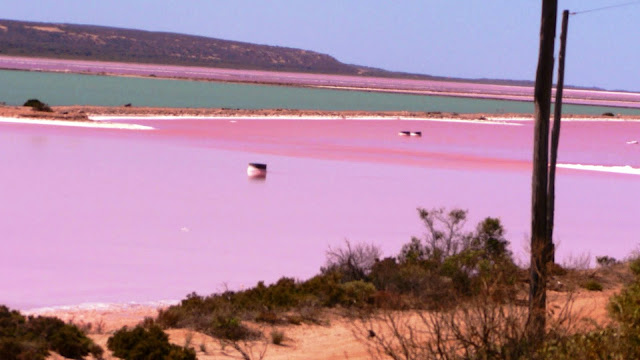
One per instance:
(539, 229)
(555, 136)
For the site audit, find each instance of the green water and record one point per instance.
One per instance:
(74, 89)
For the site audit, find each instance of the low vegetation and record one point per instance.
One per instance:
(37, 105)
(33, 338)
(146, 343)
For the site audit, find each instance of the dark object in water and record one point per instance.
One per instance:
(127, 105)
(257, 170)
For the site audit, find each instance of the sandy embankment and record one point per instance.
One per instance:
(99, 116)
(335, 340)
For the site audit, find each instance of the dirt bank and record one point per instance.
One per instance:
(82, 113)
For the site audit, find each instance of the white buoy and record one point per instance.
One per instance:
(404, 133)
(257, 170)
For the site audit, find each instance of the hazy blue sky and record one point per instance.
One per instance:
(460, 38)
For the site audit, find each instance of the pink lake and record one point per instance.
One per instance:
(94, 215)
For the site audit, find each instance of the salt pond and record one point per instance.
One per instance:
(106, 215)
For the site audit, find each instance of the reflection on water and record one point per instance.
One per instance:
(112, 216)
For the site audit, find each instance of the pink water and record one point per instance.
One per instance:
(92, 215)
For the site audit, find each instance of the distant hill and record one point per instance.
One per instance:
(68, 41)
(88, 42)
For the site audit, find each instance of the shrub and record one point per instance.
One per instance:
(269, 317)
(277, 337)
(605, 343)
(37, 105)
(625, 306)
(33, 337)
(592, 285)
(357, 293)
(445, 236)
(634, 265)
(353, 262)
(146, 344)
(450, 259)
(231, 328)
(606, 260)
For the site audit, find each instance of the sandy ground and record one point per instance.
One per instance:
(335, 340)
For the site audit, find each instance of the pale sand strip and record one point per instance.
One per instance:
(492, 120)
(99, 307)
(85, 124)
(610, 169)
(301, 117)
(565, 119)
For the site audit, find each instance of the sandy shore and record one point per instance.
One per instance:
(338, 338)
(91, 124)
(78, 114)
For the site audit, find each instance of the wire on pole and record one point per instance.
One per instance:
(605, 8)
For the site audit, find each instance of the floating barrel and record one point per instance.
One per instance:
(416, 133)
(404, 133)
(257, 170)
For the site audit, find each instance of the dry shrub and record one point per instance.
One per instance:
(277, 337)
(353, 262)
(247, 349)
(486, 326)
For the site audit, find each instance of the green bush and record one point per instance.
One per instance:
(625, 306)
(33, 337)
(141, 343)
(592, 285)
(606, 343)
(357, 293)
(37, 105)
(634, 265)
(231, 328)
(448, 261)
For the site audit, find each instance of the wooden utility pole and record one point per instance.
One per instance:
(539, 229)
(555, 135)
